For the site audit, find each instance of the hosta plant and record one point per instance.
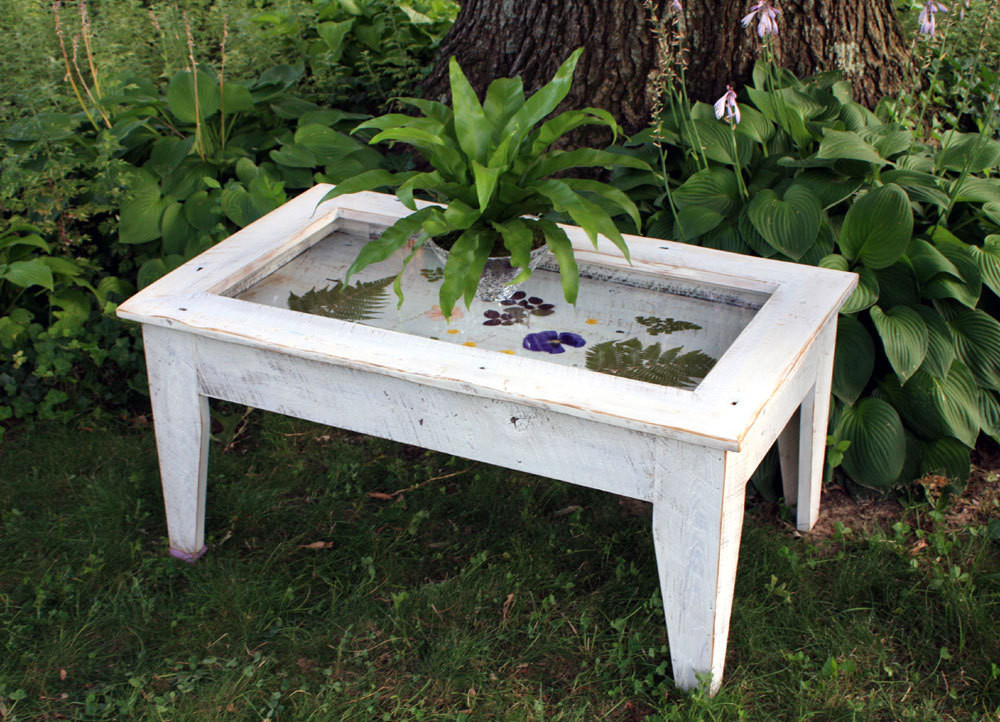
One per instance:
(808, 175)
(493, 169)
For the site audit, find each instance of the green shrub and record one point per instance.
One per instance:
(810, 176)
(360, 53)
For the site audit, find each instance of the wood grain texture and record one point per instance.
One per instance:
(180, 415)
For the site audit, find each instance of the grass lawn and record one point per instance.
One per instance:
(476, 593)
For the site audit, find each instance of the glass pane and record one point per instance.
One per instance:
(626, 323)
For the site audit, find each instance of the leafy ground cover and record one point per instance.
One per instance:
(352, 578)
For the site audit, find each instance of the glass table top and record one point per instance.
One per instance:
(631, 324)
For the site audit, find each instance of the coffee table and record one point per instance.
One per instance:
(667, 382)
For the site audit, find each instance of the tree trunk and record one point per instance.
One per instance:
(530, 38)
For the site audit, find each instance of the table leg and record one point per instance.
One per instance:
(697, 521)
(181, 419)
(802, 444)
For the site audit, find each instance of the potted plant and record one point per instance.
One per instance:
(493, 168)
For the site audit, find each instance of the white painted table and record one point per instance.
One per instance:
(492, 386)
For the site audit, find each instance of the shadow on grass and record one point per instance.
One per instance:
(478, 593)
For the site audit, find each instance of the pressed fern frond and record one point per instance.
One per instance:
(668, 368)
(360, 302)
(656, 325)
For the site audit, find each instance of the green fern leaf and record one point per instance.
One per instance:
(630, 360)
(360, 302)
(655, 325)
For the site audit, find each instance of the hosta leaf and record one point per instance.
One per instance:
(754, 125)
(965, 291)
(717, 139)
(27, 273)
(174, 228)
(847, 145)
(940, 344)
(947, 457)
(878, 227)
(753, 239)
(695, 221)
(928, 261)
(202, 210)
(360, 302)
(904, 336)
(989, 413)
(976, 190)
(294, 155)
(236, 98)
(988, 260)
(714, 188)
(333, 35)
(898, 284)
(971, 152)
(790, 224)
(139, 219)
(853, 361)
(187, 104)
(878, 448)
(242, 207)
(167, 154)
(977, 340)
(326, 145)
(631, 360)
(992, 211)
(866, 294)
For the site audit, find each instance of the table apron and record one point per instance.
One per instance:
(511, 434)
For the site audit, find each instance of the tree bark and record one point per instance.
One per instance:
(530, 38)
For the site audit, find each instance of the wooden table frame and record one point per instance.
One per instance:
(689, 452)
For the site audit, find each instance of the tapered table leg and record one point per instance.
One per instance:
(802, 444)
(697, 521)
(181, 419)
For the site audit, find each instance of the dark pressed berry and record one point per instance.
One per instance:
(492, 322)
(543, 312)
(518, 295)
(546, 307)
(508, 302)
(535, 300)
(505, 316)
(524, 304)
(492, 314)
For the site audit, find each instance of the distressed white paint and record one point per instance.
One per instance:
(689, 452)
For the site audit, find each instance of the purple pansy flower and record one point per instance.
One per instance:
(676, 5)
(552, 341)
(726, 105)
(927, 24)
(767, 18)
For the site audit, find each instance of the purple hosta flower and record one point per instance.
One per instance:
(927, 23)
(726, 105)
(767, 18)
(552, 341)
